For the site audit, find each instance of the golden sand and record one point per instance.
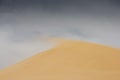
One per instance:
(71, 60)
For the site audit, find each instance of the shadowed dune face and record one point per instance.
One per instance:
(69, 60)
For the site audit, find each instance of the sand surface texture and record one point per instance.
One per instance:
(71, 60)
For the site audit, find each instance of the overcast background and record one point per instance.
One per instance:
(24, 22)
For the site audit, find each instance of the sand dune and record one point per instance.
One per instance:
(70, 60)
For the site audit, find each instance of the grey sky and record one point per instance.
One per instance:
(22, 26)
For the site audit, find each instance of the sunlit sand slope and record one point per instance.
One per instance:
(71, 60)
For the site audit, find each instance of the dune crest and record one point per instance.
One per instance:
(70, 60)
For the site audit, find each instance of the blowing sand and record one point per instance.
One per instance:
(70, 60)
